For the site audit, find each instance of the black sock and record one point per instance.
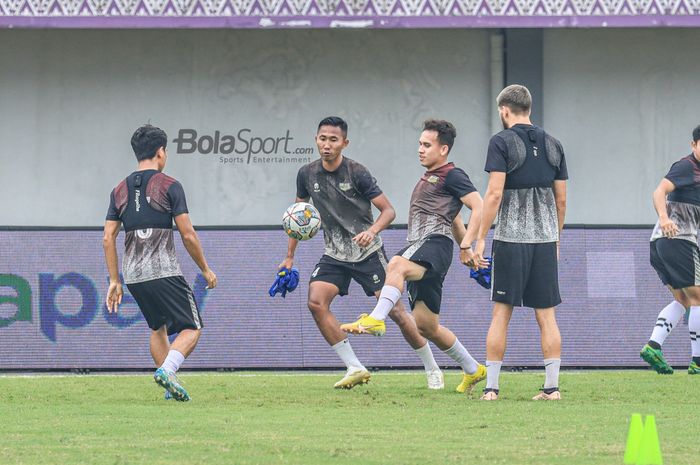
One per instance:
(696, 360)
(654, 345)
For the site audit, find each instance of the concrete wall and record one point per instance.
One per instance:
(621, 101)
(70, 101)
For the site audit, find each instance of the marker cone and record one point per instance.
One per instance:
(634, 440)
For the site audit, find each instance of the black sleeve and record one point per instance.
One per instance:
(365, 183)
(458, 183)
(302, 191)
(681, 174)
(176, 196)
(112, 212)
(563, 173)
(497, 156)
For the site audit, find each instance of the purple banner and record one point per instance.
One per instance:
(53, 283)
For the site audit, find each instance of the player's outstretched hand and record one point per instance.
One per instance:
(365, 238)
(287, 263)
(211, 278)
(114, 297)
(668, 227)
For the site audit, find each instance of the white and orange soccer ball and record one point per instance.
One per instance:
(301, 221)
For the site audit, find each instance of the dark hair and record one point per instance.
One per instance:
(147, 140)
(445, 130)
(335, 121)
(515, 97)
(696, 134)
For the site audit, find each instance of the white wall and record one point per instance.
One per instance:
(623, 103)
(70, 100)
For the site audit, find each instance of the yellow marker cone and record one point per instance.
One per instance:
(649, 450)
(634, 440)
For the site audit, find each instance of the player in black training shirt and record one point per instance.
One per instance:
(527, 195)
(146, 203)
(433, 223)
(344, 191)
(675, 256)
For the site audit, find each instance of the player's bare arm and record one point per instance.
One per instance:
(387, 214)
(668, 227)
(194, 247)
(292, 243)
(459, 232)
(492, 202)
(467, 254)
(559, 188)
(109, 242)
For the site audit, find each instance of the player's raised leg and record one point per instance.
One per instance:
(399, 270)
(321, 294)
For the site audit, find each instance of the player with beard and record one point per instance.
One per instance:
(433, 223)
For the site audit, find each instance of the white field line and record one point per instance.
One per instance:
(292, 374)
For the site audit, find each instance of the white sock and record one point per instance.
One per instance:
(347, 355)
(426, 355)
(694, 328)
(667, 320)
(493, 371)
(173, 361)
(387, 299)
(551, 369)
(460, 355)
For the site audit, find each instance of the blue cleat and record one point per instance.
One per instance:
(170, 383)
(168, 396)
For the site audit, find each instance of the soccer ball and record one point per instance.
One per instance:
(301, 221)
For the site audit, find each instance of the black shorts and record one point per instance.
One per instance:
(525, 275)
(369, 273)
(167, 301)
(676, 261)
(435, 254)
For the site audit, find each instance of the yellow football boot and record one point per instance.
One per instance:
(469, 381)
(365, 325)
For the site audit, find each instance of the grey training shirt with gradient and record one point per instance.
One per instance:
(683, 204)
(343, 198)
(532, 161)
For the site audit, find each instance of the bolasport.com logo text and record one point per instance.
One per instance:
(243, 148)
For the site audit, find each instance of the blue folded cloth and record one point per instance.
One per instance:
(286, 281)
(483, 275)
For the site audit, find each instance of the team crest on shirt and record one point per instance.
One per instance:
(433, 179)
(344, 186)
(375, 278)
(317, 188)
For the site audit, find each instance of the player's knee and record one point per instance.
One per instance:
(683, 300)
(317, 307)
(397, 265)
(426, 329)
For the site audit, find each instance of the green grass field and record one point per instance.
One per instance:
(297, 418)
